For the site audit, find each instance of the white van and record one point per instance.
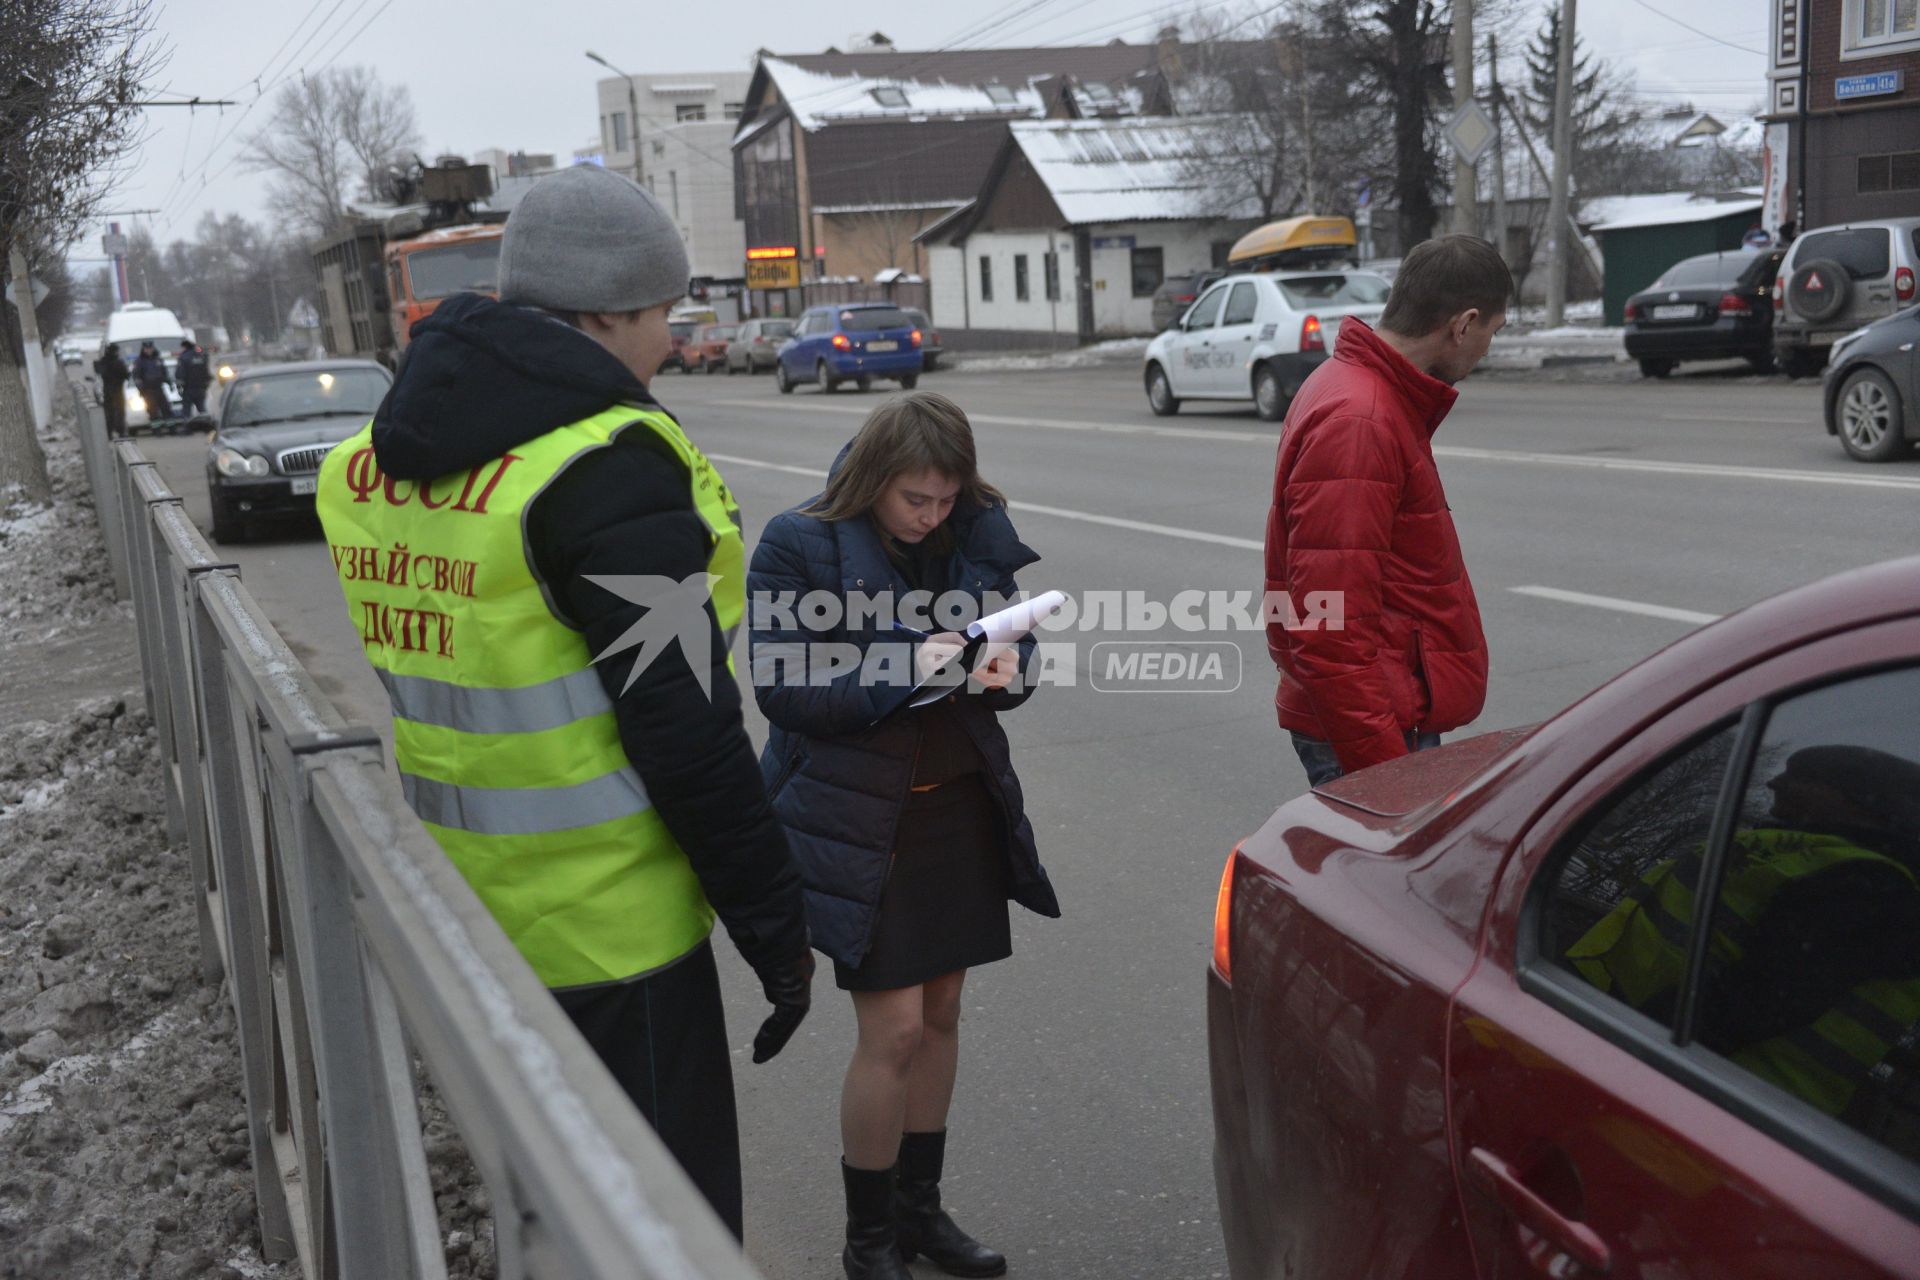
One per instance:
(133, 324)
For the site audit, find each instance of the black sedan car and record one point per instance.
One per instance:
(277, 423)
(1718, 306)
(1873, 388)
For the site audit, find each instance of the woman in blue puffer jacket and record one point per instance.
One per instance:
(907, 821)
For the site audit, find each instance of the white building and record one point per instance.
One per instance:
(1077, 224)
(680, 142)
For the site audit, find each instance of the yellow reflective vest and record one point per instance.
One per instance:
(504, 736)
(1638, 950)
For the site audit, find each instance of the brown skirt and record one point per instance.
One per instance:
(945, 903)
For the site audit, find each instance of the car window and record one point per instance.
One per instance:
(1351, 288)
(1711, 269)
(1207, 310)
(1242, 304)
(777, 328)
(719, 332)
(680, 328)
(1618, 910)
(320, 393)
(1866, 252)
(1812, 973)
(455, 268)
(871, 319)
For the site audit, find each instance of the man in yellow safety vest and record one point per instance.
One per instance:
(546, 574)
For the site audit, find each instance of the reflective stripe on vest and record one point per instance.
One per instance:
(504, 736)
(1639, 950)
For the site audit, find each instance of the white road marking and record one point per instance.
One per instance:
(1063, 513)
(1733, 417)
(1617, 605)
(1706, 470)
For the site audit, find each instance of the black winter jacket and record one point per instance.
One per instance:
(839, 779)
(151, 371)
(480, 377)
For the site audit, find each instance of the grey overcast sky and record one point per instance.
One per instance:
(485, 73)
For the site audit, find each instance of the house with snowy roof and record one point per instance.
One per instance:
(843, 158)
(1078, 222)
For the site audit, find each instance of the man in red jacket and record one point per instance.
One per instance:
(1358, 512)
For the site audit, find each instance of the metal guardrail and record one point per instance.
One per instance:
(352, 945)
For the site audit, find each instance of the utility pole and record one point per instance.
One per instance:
(1499, 150)
(1562, 167)
(1466, 193)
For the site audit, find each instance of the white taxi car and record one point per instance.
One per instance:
(1257, 336)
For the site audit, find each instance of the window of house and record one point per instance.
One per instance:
(888, 95)
(1002, 95)
(1021, 290)
(1149, 269)
(986, 278)
(732, 110)
(1050, 268)
(1887, 19)
(1219, 250)
(687, 112)
(1899, 171)
(619, 119)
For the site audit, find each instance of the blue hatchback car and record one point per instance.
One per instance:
(850, 342)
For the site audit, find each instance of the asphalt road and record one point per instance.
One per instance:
(1081, 1132)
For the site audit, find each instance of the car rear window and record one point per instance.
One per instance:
(777, 328)
(869, 319)
(681, 330)
(1345, 288)
(717, 332)
(1866, 252)
(1711, 269)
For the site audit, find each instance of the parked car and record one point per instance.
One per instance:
(930, 348)
(681, 333)
(707, 350)
(1836, 279)
(1463, 1020)
(277, 424)
(850, 342)
(755, 343)
(1177, 293)
(1717, 306)
(1873, 388)
(1257, 336)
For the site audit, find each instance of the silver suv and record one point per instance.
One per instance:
(1836, 279)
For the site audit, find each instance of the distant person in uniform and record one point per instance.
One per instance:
(151, 376)
(194, 374)
(113, 374)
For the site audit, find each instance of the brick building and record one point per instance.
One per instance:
(1843, 122)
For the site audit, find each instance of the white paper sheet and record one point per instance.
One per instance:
(1001, 631)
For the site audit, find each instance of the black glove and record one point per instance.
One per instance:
(789, 988)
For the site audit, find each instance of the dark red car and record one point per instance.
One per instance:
(707, 349)
(1465, 1019)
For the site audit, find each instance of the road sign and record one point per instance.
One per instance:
(39, 287)
(113, 244)
(1867, 86)
(1470, 130)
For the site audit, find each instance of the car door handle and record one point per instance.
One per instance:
(1580, 1241)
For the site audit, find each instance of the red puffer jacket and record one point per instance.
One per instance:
(1358, 509)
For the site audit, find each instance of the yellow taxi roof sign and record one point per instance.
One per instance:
(1292, 235)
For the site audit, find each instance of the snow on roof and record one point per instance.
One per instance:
(682, 87)
(1123, 170)
(816, 98)
(1620, 213)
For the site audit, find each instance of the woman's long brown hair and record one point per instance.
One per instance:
(918, 431)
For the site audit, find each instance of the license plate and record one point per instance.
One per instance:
(1686, 312)
(305, 484)
(883, 346)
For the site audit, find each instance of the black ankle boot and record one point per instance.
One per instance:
(924, 1227)
(873, 1248)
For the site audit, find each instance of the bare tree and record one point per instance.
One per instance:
(331, 135)
(71, 75)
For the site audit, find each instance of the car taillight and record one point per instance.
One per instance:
(840, 342)
(1310, 339)
(1779, 293)
(1903, 284)
(1732, 304)
(1223, 921)
(1633, 311)
(915, 337)
(1186, 297)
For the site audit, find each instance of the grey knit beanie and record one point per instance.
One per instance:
(588, 239)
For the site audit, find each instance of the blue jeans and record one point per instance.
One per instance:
(1323, 766)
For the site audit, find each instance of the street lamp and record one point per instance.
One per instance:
(633, 110)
